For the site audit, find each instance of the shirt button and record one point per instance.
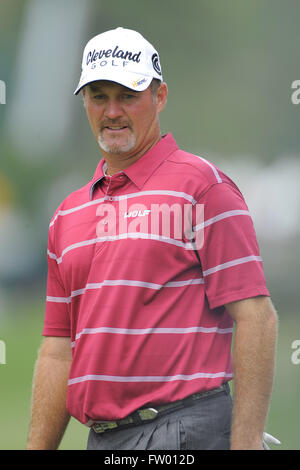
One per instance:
(105, 222)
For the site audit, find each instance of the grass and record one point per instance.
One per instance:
(22, 337)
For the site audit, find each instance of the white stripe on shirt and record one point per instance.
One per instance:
(148, 378)
(218, 177)
(111, 238)
(217, 218)
(75, 209)
(160, 192)
(123, 282)
(229, 264)
(150, 331)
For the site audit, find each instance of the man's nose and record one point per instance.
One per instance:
(113, 110)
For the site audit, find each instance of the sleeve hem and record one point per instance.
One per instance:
(56, 332)
(238, 295)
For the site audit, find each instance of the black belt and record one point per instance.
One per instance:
(148, 414)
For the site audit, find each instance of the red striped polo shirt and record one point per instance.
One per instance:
(142, 296)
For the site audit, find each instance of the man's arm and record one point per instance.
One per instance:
(253, 365)
(49, 417)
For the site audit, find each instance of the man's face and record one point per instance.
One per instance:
(124, 122)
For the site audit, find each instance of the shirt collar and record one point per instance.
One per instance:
(144, 167)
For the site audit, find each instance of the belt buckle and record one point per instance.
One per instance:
(104, 426)
(147, 414)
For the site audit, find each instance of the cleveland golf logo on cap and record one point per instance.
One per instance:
(118, 53)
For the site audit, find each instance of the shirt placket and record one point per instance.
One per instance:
(109, 223)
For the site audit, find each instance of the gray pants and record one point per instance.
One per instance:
(204, 425)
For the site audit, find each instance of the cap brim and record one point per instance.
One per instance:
(134, 81)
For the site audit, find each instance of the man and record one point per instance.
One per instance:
(149, 267)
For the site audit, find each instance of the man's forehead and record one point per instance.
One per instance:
(101, 84)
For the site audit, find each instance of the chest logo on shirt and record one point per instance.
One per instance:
(137, 213)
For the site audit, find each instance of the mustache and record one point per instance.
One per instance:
(114, 122)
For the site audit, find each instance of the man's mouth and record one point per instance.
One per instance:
(115, 128)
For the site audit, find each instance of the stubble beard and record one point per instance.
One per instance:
(117, 148)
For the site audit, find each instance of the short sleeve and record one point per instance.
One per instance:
(231, 263)
(57, 319)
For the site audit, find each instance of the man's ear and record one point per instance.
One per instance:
(161, 96)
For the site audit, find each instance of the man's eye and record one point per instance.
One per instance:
(98, 97)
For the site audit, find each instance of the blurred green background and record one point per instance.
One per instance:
(229, 66)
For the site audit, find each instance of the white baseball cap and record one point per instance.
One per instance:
(120, 55)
